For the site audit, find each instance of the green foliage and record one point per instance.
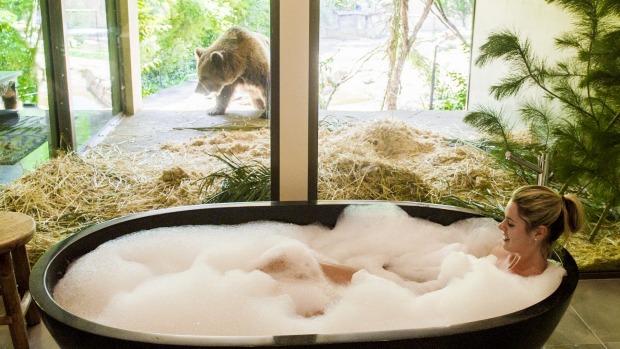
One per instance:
(253, 15)
(16, 52)
(170, 30)
(501, 139)
(491, 121)
(576, 120)
(505, 45)
(539, 117)
(16, 8)
(452, 95)
(238, 182)
(151, 19)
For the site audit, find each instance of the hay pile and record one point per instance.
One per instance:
(245, 145)
(71, 192)
(384, 159)
(379, 160)
(387, 159)
(602, 255)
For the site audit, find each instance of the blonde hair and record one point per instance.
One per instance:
(542, 206)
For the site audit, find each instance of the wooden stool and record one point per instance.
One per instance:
(16, 229)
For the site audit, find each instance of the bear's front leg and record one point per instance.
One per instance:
(222, 100)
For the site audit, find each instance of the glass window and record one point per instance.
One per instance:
(205, 83)
(393, 86)
(23, 122)
(88, 62)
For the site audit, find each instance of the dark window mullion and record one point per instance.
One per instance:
(62, 130)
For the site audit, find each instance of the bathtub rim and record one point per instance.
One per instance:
(42, 296)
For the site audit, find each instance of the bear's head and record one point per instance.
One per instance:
(213, 72)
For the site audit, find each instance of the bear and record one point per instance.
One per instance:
(238, 58)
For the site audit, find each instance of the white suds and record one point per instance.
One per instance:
(204, 280)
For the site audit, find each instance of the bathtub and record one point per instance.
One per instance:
(528, 328)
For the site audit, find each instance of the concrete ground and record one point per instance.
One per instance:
(179, 114)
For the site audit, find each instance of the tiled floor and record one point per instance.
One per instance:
(593, 319)
(591, 322)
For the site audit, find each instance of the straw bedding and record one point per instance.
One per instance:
(380, 160)
(71, 192)
(389, 160)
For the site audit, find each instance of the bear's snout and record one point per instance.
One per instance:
(201, 89)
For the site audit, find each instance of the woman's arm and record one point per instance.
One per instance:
(337, 273)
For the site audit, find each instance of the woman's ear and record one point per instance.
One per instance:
(540, 233)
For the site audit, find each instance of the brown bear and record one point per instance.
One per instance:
(238, 57)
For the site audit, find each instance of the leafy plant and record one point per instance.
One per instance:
(238, 182)
(19, 36)
(452, 95)
(576, 117)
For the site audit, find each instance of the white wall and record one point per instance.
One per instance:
(535, 20)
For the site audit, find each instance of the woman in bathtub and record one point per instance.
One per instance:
(535, 218)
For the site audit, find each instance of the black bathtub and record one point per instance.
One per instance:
(527, 328)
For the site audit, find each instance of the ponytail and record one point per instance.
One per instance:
(574, 218)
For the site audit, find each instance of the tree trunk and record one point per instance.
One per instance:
(441, 14)
(399, 46)
(599, 223)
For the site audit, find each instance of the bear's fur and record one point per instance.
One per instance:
(237, 58)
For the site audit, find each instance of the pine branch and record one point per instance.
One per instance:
(613, 121)
(505, 45)
(540, 118)
(569, 41)
(585, 11)
(569, 141)
(502, 45)
(583, 138)
(574, 101)
(600, 221)
(509, 86)
(490, 121)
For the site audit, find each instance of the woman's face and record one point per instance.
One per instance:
(516, 237)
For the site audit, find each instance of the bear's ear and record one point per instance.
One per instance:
(217, 58)
(199, 52)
